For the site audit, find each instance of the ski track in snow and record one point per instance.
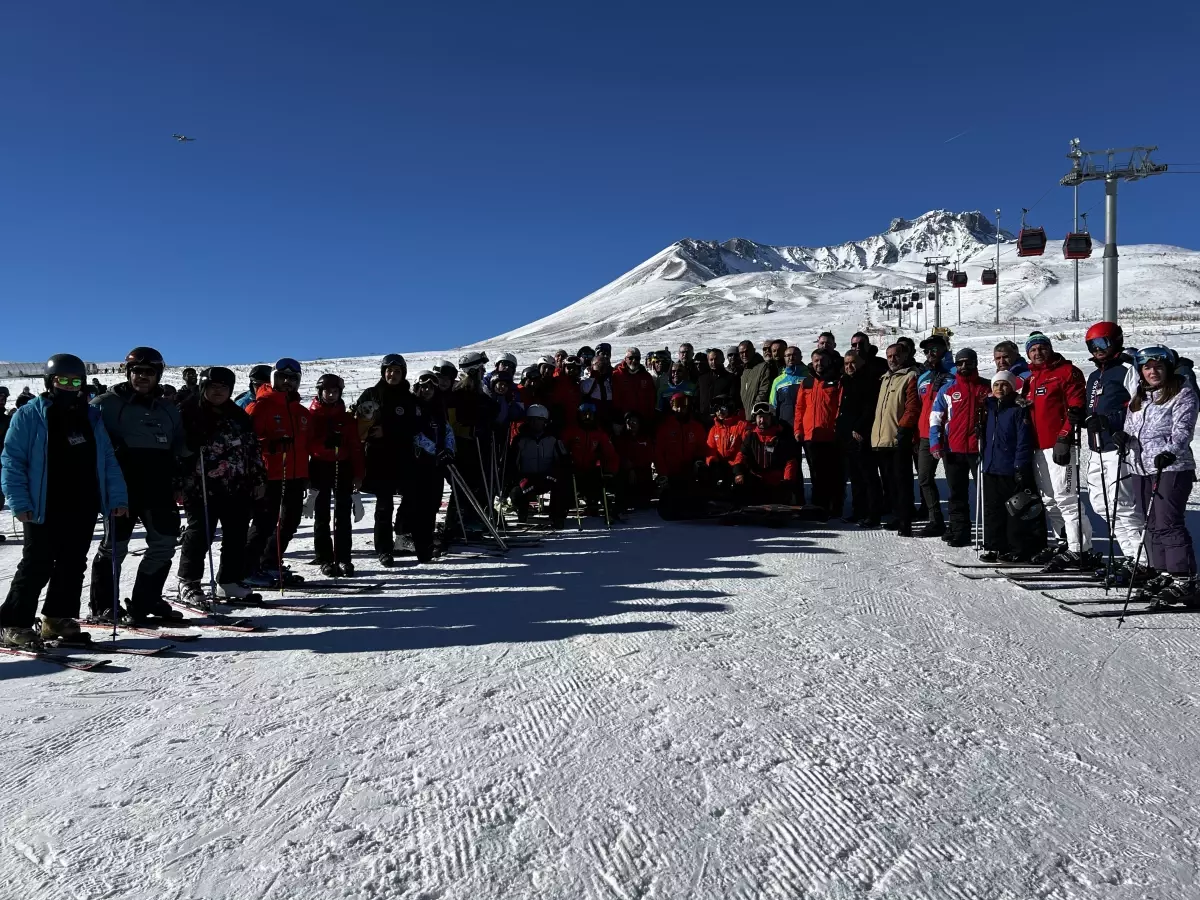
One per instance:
(663, 710)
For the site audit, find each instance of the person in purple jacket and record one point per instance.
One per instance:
(1160, 426)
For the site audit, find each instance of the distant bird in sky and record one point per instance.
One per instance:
(182, 138)
(955, 138)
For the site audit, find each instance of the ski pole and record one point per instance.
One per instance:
(603, 494)
(1109, 521)
(1079, 492)
(337, 568)
(208, 531)
(279, 524)
(116, 573)
(458, 505)
(1141, 544)
(578, 514)
(483, 480)
(454, 473)
(980, 537)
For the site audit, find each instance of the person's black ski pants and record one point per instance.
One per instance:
(276, 518)
(161, 524)
(321, 476)
(1004, 533)
(233, 514)
(927, 479)
(53, 554)
(897, 463)
(958, 477)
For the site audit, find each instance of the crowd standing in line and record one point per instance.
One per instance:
(729, 426)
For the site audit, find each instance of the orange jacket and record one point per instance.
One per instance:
(677, 445)
(817, 403)
(282, 425)
(725, 441)
(334, 436)
(588, 447)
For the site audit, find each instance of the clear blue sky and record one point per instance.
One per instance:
(378, 176)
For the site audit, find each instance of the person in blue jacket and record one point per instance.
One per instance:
(58, 472)
(1007, 443)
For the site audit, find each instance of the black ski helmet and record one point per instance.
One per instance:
(1024, 506)
(217, 375)
(144, 356)
(392, 359)
(260, 375)
(329, 380)
(63, 364)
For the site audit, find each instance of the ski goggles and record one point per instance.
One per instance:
(144, 371)
(67, 381)
(288, 366)
(1099, 345)
(587, 409)
(1160, 354)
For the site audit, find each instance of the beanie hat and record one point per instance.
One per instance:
(968, 354)
(1036, 337)
(1006, 377)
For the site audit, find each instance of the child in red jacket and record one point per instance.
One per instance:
(592, 457)
(635, 449)
(335, 468)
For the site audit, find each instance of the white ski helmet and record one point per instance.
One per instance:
(537, 411)
(507, 358)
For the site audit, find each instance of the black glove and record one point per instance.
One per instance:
(1076, 415)
(445, 457)
(1165, 459)
(1121, 439)
(1062, 451)
(699, 467)
(1023, 479)
(333, 440)
(1096, 422)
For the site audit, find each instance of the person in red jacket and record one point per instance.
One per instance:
(724, 443)
(1055, 390)
(563, 399)
(634, 389)
(282, 425)
(635, 449)
(680, 444)
(954, 423)
(817, 403)
(592, 456)
(768, 470)
(335, 468)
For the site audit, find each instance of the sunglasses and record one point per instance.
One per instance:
(68, 381)
(289, 376)
(143, 371)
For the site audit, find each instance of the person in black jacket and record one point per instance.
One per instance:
(385, 415)
(716, 381)
(432, 451)
(856, 414)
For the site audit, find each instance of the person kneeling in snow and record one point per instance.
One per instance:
(542, 465)
(724, 444)
(768, 470)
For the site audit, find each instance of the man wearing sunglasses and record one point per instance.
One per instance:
(282, 425)
(57, 470)
(147, 434)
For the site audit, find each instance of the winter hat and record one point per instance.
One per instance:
(935, 339)
(1036, 337)
(1005, 377)
(966, 353)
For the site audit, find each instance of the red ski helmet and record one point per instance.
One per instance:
(1104, 336)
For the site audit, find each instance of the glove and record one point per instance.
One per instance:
(1076, 416)
(1062, 451)
(1121, 439)
(1022, 479)
(356, 502)
(445, 458)
(1096, 422)
(310, 505)
(1165, 459)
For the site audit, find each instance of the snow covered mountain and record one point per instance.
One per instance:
(737, 288)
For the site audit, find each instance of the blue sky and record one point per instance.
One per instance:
(371, 177)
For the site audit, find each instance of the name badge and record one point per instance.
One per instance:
(161, 438)
(236, 442)
(76, 439)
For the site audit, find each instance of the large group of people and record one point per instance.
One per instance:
(724, 426)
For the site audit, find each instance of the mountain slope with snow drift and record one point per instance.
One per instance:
(739, 288)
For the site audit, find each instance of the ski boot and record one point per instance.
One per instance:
(62, 629)
(1014, 557)
(157, 608)
(989, 556)
(347, 569)
(191, 594)
(404, 545)
(1071, 561)
(387, 560)
(331, 570)
(237, 594)
(1177, 590)
(21, 639)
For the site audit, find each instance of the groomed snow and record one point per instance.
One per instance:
(669, 711)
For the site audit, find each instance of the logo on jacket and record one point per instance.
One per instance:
(399, 410)
(957, 395)
(1041, 390)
